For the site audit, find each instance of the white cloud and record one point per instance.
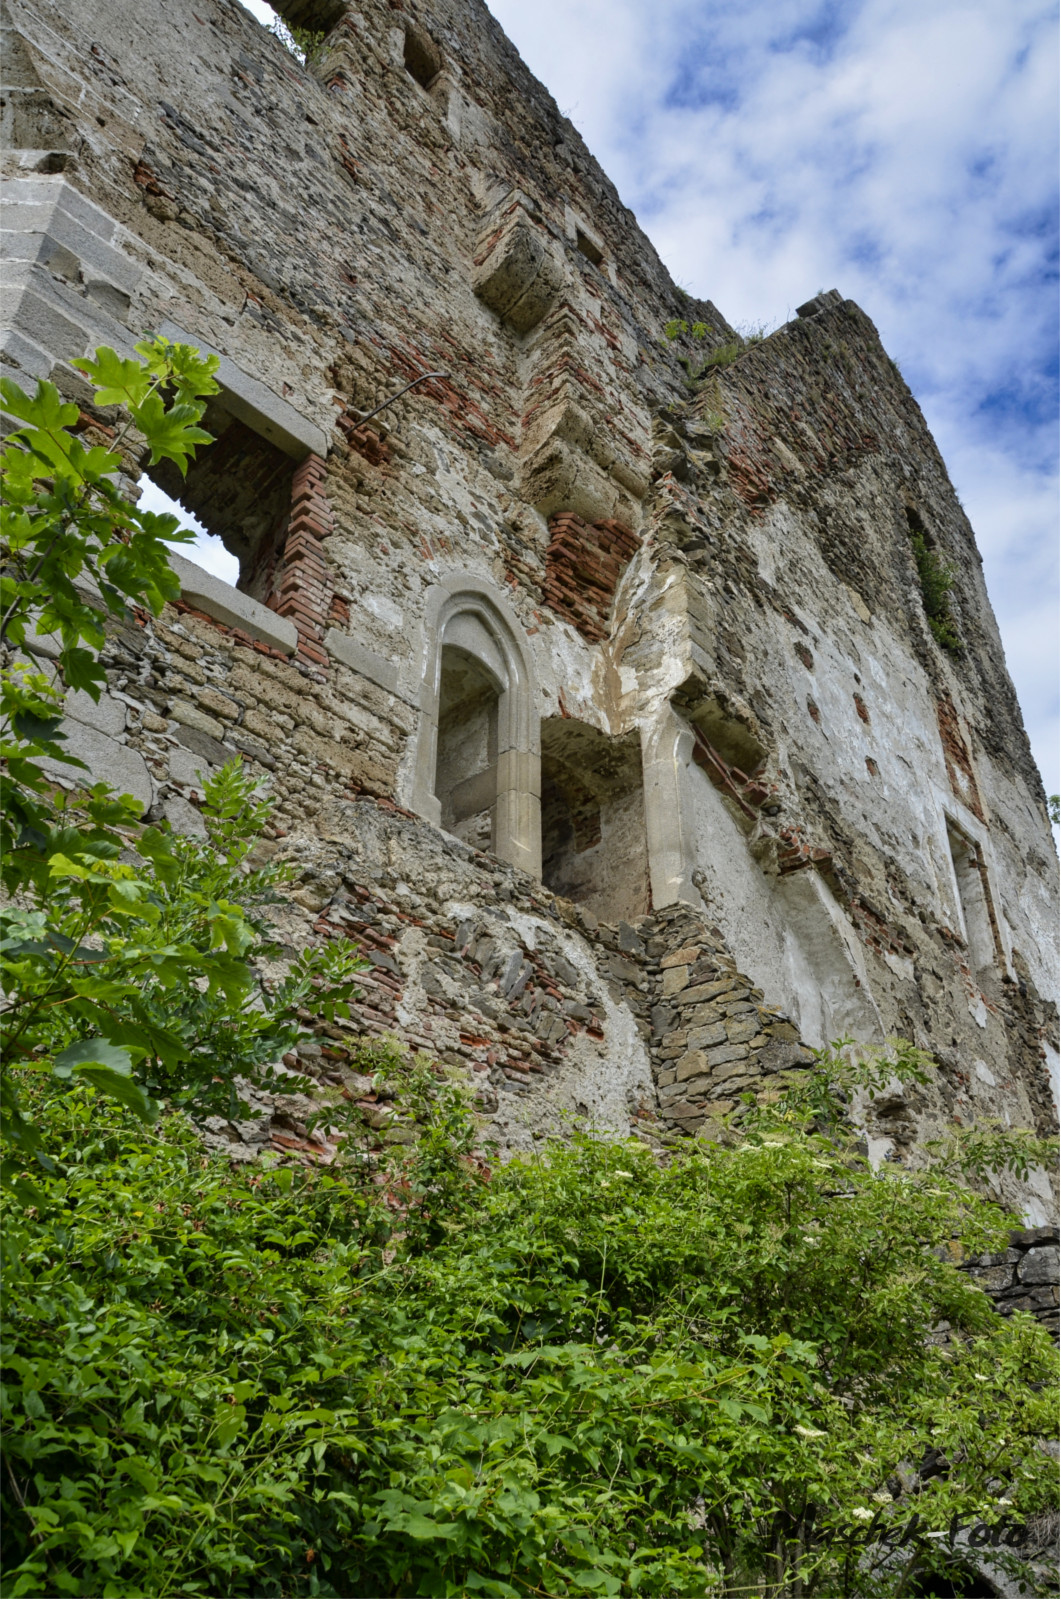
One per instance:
(899, 150)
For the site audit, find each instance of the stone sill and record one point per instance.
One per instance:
(230, 606)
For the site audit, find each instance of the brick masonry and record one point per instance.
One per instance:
(583, 564)
(303, 584)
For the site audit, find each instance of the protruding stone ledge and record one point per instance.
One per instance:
(253, 403)
(231, 607)
(377, 669)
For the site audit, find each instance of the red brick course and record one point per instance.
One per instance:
(302, 586)
(583, 565)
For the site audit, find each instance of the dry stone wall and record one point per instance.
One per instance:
(1024, 1277)
(680, 573)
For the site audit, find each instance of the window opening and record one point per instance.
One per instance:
(936, 577)
(421, 58)
(974, 898)
(588, 248)
(466, 767)
(594, 843)
(238, 491)
(300, 25)
(208, 551)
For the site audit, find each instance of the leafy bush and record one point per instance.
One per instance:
(678, 325)
(582, 1374)
(305, 44)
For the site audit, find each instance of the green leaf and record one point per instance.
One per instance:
(118, 380)
(421, 1528)
(38, 730)
(107, 1068)
(47, 409)
(98, 1053)
(120, 1087)
(172, 434)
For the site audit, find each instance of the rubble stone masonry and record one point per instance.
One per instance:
(651, 621)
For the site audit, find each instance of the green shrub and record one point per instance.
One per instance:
(583, 1374)
(305, 44)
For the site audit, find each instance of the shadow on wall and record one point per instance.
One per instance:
(594, 846)
(466, 770)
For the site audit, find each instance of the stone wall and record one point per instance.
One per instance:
(1024, 1277)
(708, 565)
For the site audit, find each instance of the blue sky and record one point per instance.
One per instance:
(902, 151)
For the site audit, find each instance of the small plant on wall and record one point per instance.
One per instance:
(937, 580)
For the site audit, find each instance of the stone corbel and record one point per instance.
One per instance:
(518, 274)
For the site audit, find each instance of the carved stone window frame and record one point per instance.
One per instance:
(468, 613)
(958, 821)
(577, 229)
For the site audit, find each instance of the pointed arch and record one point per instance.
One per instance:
(479, 730)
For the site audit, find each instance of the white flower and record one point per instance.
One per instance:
(862, 1513)
(883, 1497)
(810, 1434)
(619, 1174)
(1002, 1501)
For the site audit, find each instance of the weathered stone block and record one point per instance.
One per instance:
(674, 979)
(211, 750)
(378, 669)
(107, 714)
(777, 1056)
(186, 769)
(230, 606)
(108, 762)
(707, 992)
(520, 278)
(683, 958)
(709, 1034)
(213, 701)
(691, 1065)
(192, 717)
(698, 1016)
(1040, 1265)
(183, 817)
(724, 1054)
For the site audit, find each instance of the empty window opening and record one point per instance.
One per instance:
(422, 60)
(208, 551)
(594, 844)
(300, 25)
(974, 898)
(238, 492)
(591, 250)
(466, 770)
